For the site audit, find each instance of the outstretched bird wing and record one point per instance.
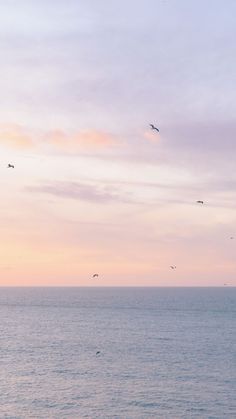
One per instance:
(153, 127)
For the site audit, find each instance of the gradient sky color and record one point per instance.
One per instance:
(94, 189)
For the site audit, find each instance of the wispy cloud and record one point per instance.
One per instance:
(80, 191)
(216, 194)
(89, 139)
(17, 136)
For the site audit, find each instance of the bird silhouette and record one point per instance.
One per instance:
(10, 166)
(95, 275)
(199, 202)
(98, 352)
(153, 127)
(173, 267)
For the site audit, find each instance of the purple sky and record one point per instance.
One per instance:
(93, 188)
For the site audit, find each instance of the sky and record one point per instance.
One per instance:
(94, 189)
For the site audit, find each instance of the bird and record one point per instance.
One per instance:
(173, 267)
(95, 275)
(98, 352)
(10, 166)
(199, 202)
(153, 127)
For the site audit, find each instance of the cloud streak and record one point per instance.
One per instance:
(89, 139)
(18, 137)
(78, 191)
(216, 194)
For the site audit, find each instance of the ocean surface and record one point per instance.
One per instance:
(164, 353)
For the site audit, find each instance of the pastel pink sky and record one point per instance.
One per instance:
(94, 189)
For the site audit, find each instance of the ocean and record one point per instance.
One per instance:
(124, 353)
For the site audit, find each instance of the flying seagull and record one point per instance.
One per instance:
(199, 202)
(98, 352)
(10, 166)
(153, 127)
(173, 267)
(95, 275)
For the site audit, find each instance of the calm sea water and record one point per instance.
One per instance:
(164, 353)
